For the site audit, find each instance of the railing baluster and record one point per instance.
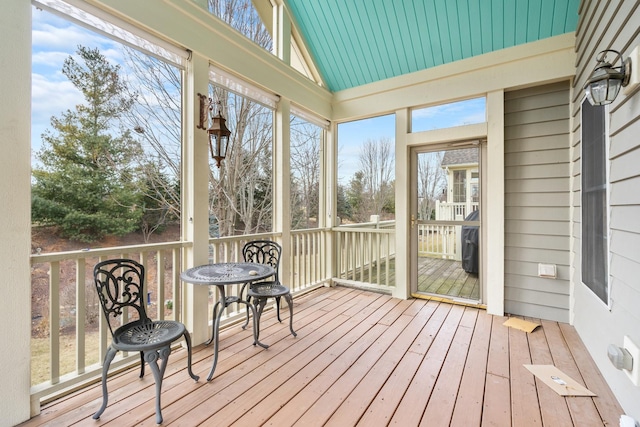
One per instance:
(54, 322)
(175, 293)
(160, 283)
(81, 315)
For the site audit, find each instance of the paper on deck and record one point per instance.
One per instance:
(559, 382)
(521, 324)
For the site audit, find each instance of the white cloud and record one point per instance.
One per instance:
(53, 59)
(50, 97)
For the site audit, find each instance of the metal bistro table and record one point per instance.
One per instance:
(222, 275)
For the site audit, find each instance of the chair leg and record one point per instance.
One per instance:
(214, 315)
(187, 338)
(108, 358)
(151, 357)
(247, 321)
(142, 364)
(290, 303)
(259, 305)
(278, 309)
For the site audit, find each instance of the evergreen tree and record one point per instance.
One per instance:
(86, 181)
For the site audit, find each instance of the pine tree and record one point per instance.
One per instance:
(86, 182)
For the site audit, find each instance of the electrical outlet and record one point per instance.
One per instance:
(633, 349)
(547, 270)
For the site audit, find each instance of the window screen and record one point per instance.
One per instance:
(594, 201)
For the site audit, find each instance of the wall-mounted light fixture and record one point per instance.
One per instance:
(606, 79)
(218, 131)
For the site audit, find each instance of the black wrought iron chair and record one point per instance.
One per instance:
(266, 252)
(120, 287)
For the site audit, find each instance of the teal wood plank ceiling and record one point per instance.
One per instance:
(355, 42)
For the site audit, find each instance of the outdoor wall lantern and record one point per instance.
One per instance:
(218, 131)
(606, 79)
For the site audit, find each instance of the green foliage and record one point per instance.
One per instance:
(86, 182)
(355, 196)
(343, 207)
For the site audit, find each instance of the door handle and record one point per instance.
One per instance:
(413, 221)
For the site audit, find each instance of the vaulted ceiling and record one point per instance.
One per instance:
(355, 42)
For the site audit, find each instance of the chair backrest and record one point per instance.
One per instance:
(120, 286)
(263, 252)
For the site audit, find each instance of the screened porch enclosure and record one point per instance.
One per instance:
(334, 268)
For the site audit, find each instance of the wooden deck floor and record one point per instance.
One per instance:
(362, 358)
(446, 277)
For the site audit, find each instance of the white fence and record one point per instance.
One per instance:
(440, 241)
(449, 211)
(365, 253)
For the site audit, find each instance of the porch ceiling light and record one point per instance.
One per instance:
(606, 79)
(218, 131)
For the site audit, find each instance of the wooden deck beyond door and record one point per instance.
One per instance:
(365, 359)
(447, 278)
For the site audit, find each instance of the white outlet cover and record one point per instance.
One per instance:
(547, 270)
(634, 375)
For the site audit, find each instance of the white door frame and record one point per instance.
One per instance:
(492, 267)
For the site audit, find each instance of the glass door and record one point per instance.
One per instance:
(446, 223)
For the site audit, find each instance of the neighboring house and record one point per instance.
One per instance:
(463, 185)
(538, 204)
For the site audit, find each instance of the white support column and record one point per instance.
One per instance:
(403, 208)
(15, 188)
(327, 209)
(493, 216)
(282, 181)
(282, 144)
(195, 198)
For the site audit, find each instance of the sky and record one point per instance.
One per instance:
(55, 39)
(352, 135)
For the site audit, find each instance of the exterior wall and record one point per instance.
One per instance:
(537, 198)
(15, 210)
(611, 25)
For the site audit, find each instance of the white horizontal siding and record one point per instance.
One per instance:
(537, 213)
(537, 200)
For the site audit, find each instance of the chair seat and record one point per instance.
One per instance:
(267, 289)
(141, 336)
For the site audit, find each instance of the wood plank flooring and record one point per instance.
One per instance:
(361, 359)
(447, 278)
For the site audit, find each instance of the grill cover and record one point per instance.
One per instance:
(470, 244)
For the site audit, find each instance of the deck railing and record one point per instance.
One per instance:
(366, 254)
(74, 357)
(450, 211)
(440, 241)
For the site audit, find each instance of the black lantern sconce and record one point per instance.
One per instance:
(606, 79)
(218, 132)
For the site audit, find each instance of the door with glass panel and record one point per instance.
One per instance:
(446, 223)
